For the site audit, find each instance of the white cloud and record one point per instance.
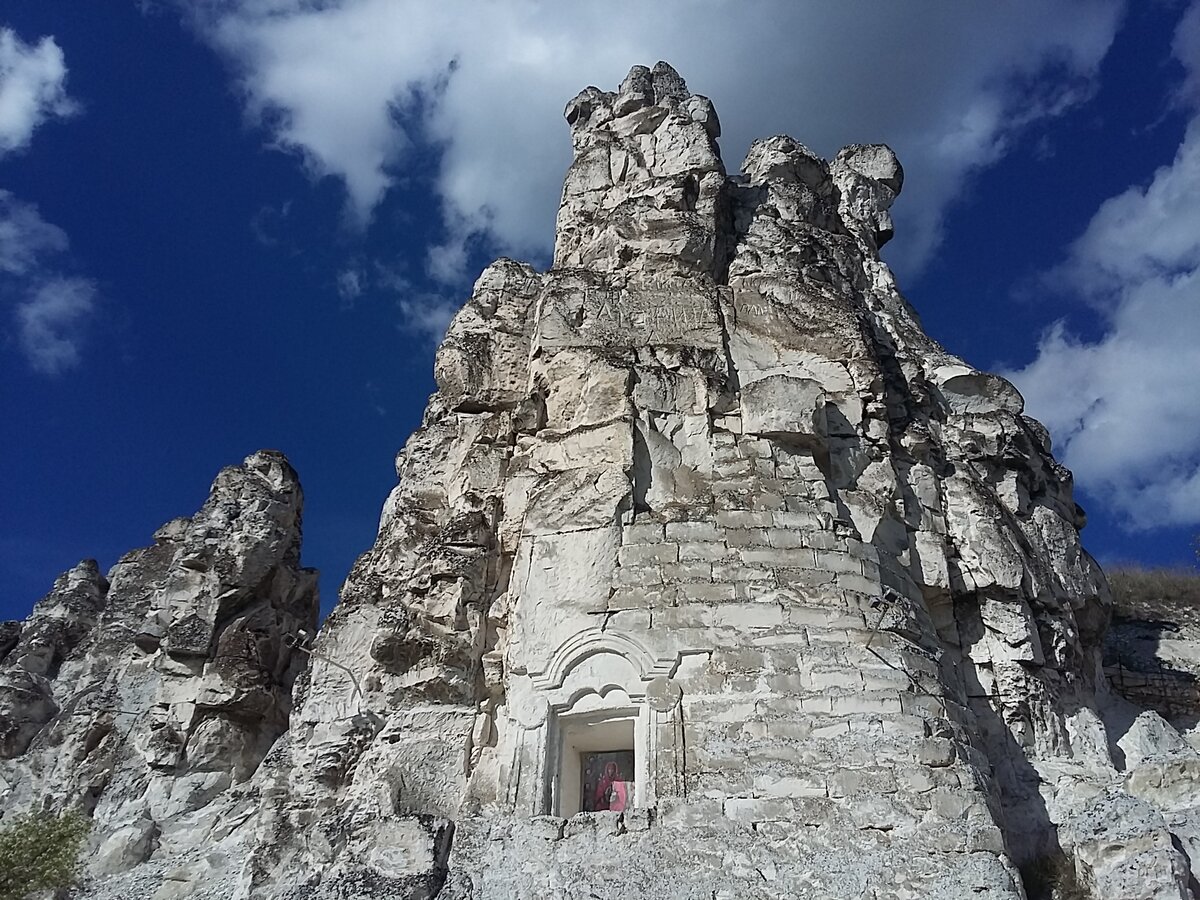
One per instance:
(1143, 233)
(25, 237)
(53, 314)
(51, 323)
(32, 88)
(349, 286)
(447, 261)
(54, 309)
(351, 85)
(1186, 47)
(427, 315)
(1124, 407)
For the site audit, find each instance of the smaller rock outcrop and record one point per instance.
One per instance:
(32, 653)
(1152, 649)
(150, 696)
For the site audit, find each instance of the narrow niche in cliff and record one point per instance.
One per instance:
(601, 731)
(598, 764)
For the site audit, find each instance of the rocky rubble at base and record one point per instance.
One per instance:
(1152, 647)
(701, 507)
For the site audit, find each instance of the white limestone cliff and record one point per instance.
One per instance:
(704, 492)
(150, 697)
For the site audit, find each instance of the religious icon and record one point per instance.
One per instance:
(607, 781)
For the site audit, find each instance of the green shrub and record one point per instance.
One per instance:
(40, 851)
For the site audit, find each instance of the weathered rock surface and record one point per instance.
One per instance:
(706, 495)
(151, 696)
(1152, 648)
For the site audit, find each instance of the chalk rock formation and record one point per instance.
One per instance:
(708, 575)
(32, 652)
(151, 697)
(1152, 648)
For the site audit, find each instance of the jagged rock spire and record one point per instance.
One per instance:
(32, 653)
(145, 695)
(647, 195)
(643, 195)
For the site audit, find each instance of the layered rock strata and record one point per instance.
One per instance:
(1152, 648)
(708, 575)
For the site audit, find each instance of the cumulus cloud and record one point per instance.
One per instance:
(354, 85)
(349, 286)
(52, 309)
(32, 88)
(427, 315)
(1123, 408)
(51, 322)
(26, 239)
(1186, 47)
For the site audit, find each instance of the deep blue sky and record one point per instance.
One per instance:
(218, 326)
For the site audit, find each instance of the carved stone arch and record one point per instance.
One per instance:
(575, 699)
(596, 686)
(589, 643)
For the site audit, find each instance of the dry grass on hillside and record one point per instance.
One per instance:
(1172, 594)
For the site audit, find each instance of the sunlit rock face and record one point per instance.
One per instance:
(704, 498)
(150, 697)
(707, 575)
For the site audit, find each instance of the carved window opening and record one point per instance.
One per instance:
(598, 747)
(601, 758)
(598, 762)
(608, 781)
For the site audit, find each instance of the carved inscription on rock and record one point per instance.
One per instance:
(752, 308)
(644, 315)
